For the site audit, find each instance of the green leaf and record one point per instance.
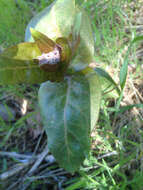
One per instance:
(137, 39)
(65, 49)
(77, 25)
(95, 97)
(85, 51)
(44, 43)
(54, 21)
(125, 108)
(58, 20)
(104, 74)
(65, 108)
(95, 94)
(24, 51)
(14, 71)
(124, 71)
(74, 37)
(17, 65)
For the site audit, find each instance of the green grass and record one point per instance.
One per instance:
(115, 162)
(13, 20)
(14, 16)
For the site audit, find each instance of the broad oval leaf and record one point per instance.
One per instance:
(18, 65)
(58, 20)
(14, 71)
(65, 108)
(24, 51)
(54, 21)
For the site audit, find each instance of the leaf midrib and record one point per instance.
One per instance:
(65, 120)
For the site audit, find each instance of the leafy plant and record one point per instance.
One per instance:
(57, 52)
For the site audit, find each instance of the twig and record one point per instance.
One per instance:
(16, 169)
(25, 186)
(38, 143)
(16, 155)
(11, 187)
(107, 155)
(39, 160)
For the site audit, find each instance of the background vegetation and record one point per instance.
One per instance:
(116, 159)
